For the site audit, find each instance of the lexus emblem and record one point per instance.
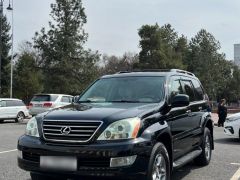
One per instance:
(66, 130)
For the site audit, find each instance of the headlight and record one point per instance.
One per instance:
(32, 128)
(123, 129)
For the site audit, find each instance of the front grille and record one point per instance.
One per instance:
(70, 130)
(31, 156)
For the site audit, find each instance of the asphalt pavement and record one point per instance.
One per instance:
(225, 159)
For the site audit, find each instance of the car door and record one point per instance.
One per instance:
(178, 120)
(193, 121)
(11, 109)
(3, 110)
(199, 108)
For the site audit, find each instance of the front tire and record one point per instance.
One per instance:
(20, 117)
(159, 164)
(205, 157)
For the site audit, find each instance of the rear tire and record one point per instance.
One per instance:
(20, 117)
(205, 157)
(38, 176)
(159, 164)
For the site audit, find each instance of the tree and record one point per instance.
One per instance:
(208, 64)
(67, 66)
(5, 59)
(113, 64)
(27, 76)
(160, 48)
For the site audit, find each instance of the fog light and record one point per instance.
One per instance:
(122, 161)
(20, 154)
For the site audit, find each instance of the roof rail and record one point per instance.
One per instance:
(158, 70)
(151, 70)
(182, 71)
(121, 72)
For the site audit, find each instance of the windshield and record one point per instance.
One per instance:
(126, 89)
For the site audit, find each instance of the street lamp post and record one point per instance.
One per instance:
(1, 17)
(10, 8)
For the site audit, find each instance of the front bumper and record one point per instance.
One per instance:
(92, 159)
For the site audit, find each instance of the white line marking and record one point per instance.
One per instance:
(8, 151)
(236, 176)
(238, 164)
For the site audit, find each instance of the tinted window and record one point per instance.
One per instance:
(66, 99)
(44, 98)
(175, 88)
(187, 86)
(41, 98)
(135, 89)
(198, 90)
(3, 104)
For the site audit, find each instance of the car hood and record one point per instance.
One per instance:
(101, 111)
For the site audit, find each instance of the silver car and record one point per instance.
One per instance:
(45, 102)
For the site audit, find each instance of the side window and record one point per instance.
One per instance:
(198, 90)
(65, 99)
(19, 103)
(11, 103)
(3, 104)
(187, 86)
(175, 88)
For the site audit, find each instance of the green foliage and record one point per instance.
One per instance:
(114, 64)
(67, 66)
(27, 77)
(209, 65)
(5, 59)
(160, 48)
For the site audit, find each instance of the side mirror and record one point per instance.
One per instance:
(75, 99)
(180, 100)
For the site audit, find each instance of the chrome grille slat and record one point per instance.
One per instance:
(80, 130)
(83, 135)
(72, 126)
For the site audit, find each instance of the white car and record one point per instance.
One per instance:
(12, 109)
(44, 102)
(232, 125)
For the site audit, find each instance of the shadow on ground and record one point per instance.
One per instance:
(184, 171)
(230, 141)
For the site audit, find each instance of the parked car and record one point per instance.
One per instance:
(232, 125)
(12, 109)
(135, 124)
(45, 102)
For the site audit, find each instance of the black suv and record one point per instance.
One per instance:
(130, 124)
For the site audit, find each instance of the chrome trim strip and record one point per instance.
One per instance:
(48, 125)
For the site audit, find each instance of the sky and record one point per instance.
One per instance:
(113, 24)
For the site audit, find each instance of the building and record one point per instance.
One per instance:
(237, 54)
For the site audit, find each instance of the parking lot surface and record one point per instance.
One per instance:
(225, 162)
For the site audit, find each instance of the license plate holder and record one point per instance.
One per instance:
(64, 163)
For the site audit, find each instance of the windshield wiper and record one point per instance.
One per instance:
(124, 101)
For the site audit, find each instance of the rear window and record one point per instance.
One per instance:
(40, 98)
